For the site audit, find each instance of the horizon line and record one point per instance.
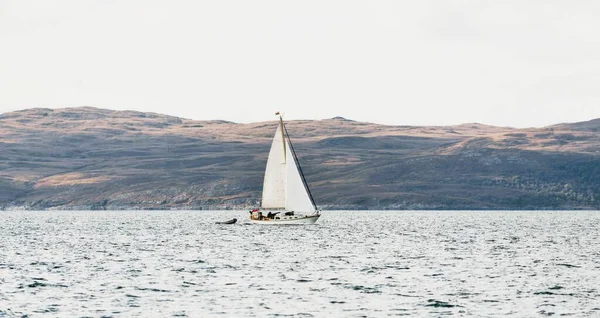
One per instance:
(338, 117)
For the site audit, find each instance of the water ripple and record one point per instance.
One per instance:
(356, 264)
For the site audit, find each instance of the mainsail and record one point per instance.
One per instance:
(273, 196)
(284, 185)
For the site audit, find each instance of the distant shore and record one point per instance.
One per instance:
(86, 158)
(347, 208)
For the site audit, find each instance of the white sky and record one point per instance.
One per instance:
(516, 63)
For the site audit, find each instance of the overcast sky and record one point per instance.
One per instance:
(513, 63)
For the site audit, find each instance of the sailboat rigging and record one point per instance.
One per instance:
(286, 194)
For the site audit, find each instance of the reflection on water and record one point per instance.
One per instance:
(351, 264)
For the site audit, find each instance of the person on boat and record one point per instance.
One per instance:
(252, 214)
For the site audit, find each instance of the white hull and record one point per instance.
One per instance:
(309, 219)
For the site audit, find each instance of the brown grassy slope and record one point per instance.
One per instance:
(95, 158)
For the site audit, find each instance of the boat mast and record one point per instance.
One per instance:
(282, 136)
(284, 130)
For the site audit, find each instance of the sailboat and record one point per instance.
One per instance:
(286, 197)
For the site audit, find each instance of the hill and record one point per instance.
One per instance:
(89, 158)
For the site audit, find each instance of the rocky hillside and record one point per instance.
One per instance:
(89, 158)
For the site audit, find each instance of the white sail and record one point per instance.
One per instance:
(284, 187)
(296, 195)
(273, 196)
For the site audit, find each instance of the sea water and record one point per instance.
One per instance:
(348, 264)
